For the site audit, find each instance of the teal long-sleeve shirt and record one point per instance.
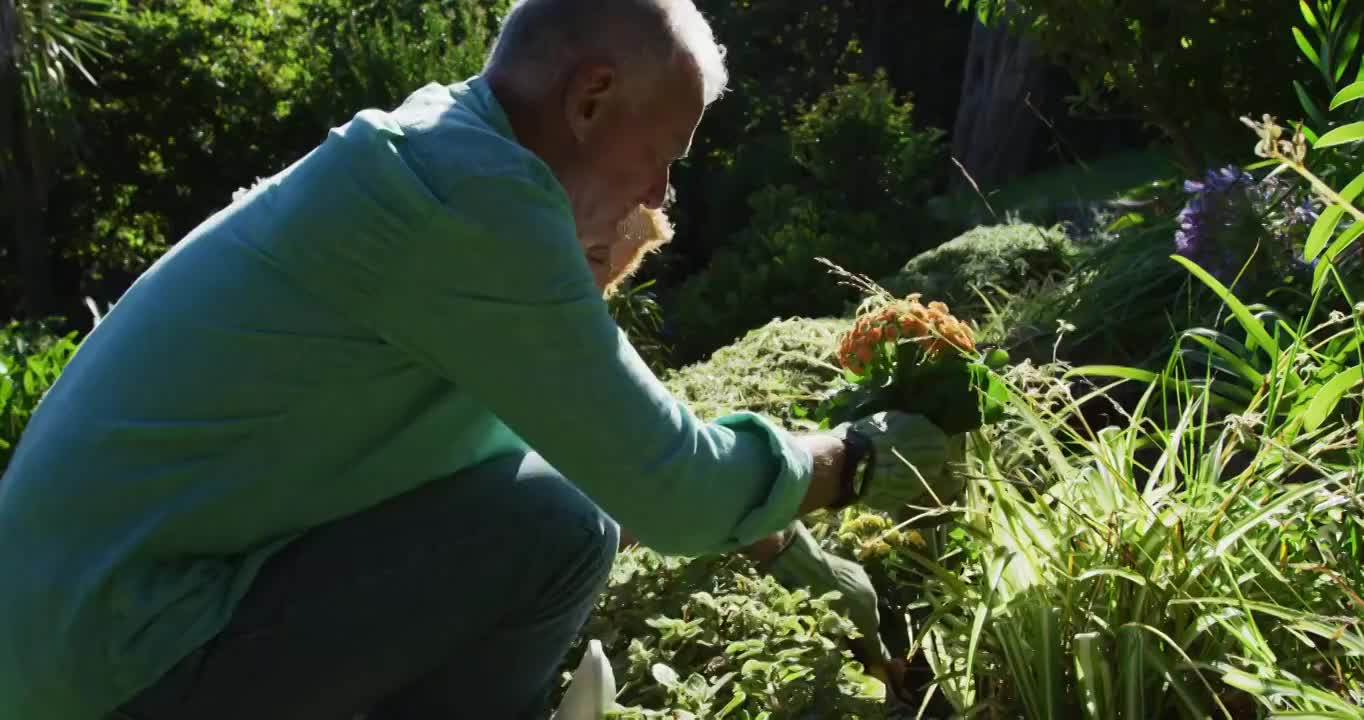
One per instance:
(406, 300)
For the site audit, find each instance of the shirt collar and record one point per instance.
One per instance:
(478, 96)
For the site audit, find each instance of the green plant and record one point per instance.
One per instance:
(904, 355)
(1166, 60)
(1120, 300)
(638, 314)
(1336, 29)
(31, 359)
(207, 97)
(43, 44)
(1000, 257)
(1106, 581)
(862, 171)
(780, 370)
(707, 638)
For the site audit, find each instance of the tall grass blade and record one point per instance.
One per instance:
(1253, 328)
(1329, 396)
(1132, 672)
(1262, 686)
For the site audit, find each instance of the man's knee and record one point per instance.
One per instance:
(571, 522)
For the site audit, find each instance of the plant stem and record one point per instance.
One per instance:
(1324, 189)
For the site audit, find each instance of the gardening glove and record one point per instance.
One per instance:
(911, 461)
(958, 394)
(803, 563)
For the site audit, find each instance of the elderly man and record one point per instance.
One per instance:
(360, 441)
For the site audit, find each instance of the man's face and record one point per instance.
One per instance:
(624, 154)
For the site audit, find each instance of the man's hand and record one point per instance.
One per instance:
(912, 461)
(803, 563)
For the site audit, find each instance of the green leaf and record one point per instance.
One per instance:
(1353, 190)
(1093, 675)
(1322, 230)
(739, 697)
(1329, 396)
(1209, 340)
(1324, 263)
(1132, 674)
(1309, 16)
(1347, 52)
(1310, 106)
(1261, 686)
(1253, 327)
(1350, 93)
(1337, 15)
(1117, 371)
(1352, 132)
(1306, 47)
(1326, 224)
(1113, 572)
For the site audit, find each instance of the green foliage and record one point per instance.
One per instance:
(780, 370)
(31, 358)
(53, 42)
(639, 315)
(1121, 298)
(862, 172)
(1004, 257)
(206, 97)
(707, 638)
(1137, 570)
(1328, 38)
(1167, 59)
(1195, 558)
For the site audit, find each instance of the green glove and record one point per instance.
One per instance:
(803, 563)
(927, 476)
(958, 394)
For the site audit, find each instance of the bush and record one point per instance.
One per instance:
(1004, 257)
(206, 97)
(1167, 60)
(31, 358)
(692, 638)
(863, 173)
(779, 370)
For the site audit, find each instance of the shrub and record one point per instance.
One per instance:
(779, 370)
(31, 358)
(1005, 257)
(709, 638)
(863, 174)
(1167, 60)
(206, 97)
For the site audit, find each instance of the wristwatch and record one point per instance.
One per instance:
(858, 460)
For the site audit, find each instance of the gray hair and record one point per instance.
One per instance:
(541, 39)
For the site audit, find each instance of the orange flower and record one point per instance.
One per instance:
(932, 328)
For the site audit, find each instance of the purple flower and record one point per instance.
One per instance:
(1229, 214)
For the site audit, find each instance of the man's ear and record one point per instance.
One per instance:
(592, 86)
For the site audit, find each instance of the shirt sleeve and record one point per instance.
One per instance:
(494, 294)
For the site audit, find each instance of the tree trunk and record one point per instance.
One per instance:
(8, 28)
(993, 132)
(9, 93)
(34, 249)
(25, 176)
